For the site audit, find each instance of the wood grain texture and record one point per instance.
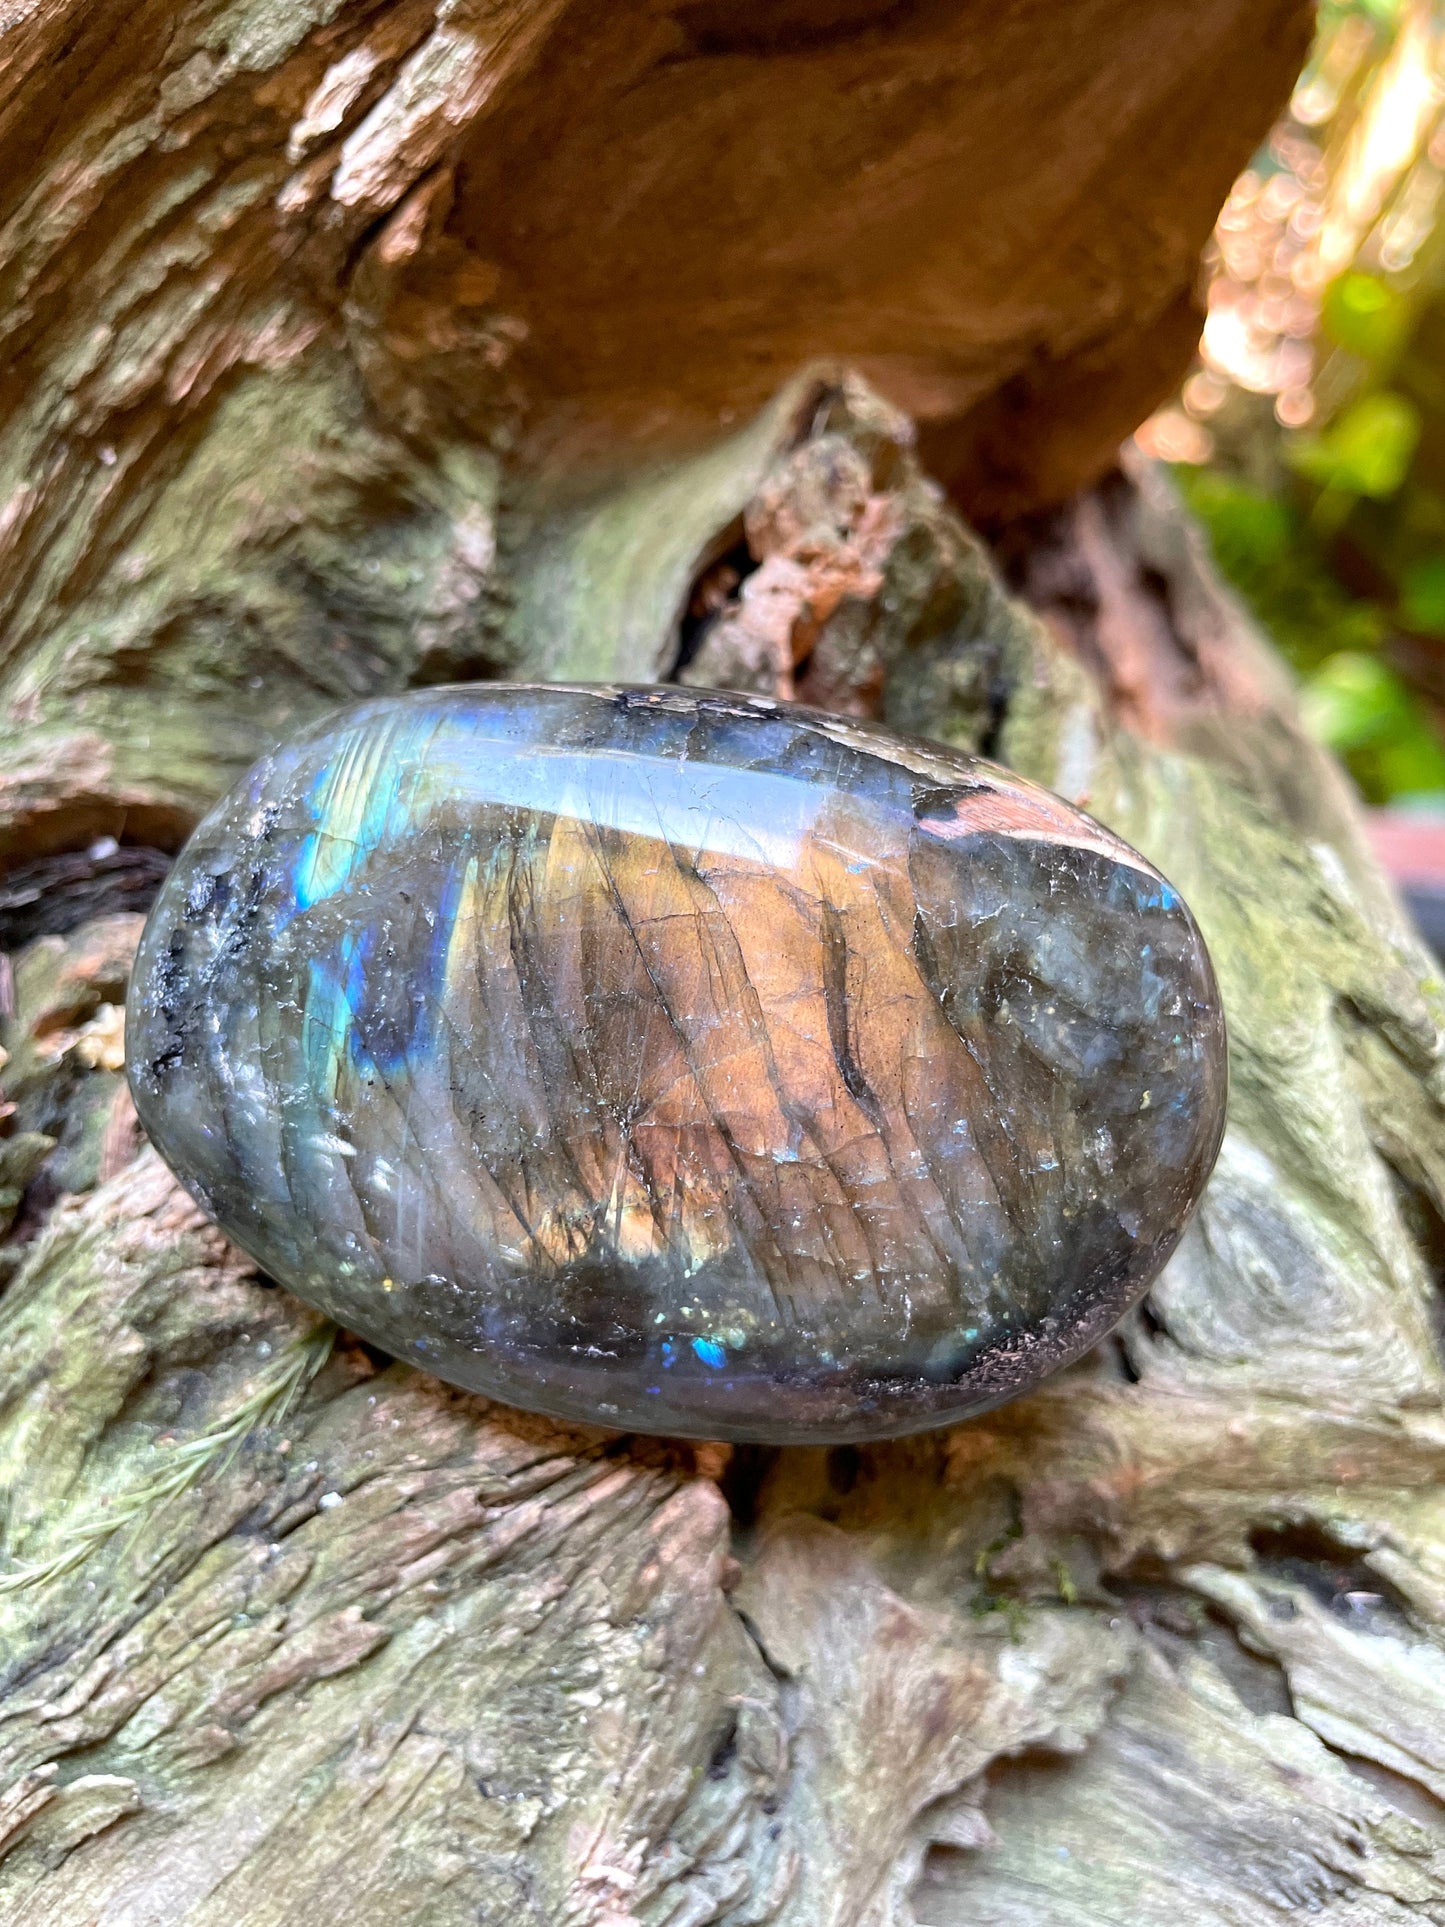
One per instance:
(305, 310)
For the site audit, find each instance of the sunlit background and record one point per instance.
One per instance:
(1310, 435)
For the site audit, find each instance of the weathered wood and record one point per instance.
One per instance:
(307, 390)
(299, 302)
(401, 1653)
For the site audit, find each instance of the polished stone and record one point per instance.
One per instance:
(681, 1061)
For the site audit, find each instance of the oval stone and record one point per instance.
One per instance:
(681, 1061)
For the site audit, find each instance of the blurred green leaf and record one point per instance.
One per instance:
(1335, 536)
(1412, 768)
(1422, 596)
(1367, 451)
(1357, 706)
(1365, 315)
(1352, 700)
(1384, 13)
(1274, 558)
(1249, 530)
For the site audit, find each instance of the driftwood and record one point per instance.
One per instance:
(300, 403)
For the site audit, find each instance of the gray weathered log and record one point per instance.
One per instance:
(290, 1635)
(396, 1654)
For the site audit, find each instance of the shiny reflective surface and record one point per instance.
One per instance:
(681, 1061)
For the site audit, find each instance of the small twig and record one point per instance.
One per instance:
(268, 1404)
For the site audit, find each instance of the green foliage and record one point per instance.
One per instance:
(1359, 707)
(1270, 553)
(1381, 13)
(1366, 451)
(1353, 700)
(1365, 316)
(1422, 596)
(1336, 534)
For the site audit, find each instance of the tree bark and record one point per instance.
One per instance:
(315, 387)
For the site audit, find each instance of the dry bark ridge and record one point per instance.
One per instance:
(298, 404)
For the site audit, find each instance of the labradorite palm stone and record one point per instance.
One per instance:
(681, 1061)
